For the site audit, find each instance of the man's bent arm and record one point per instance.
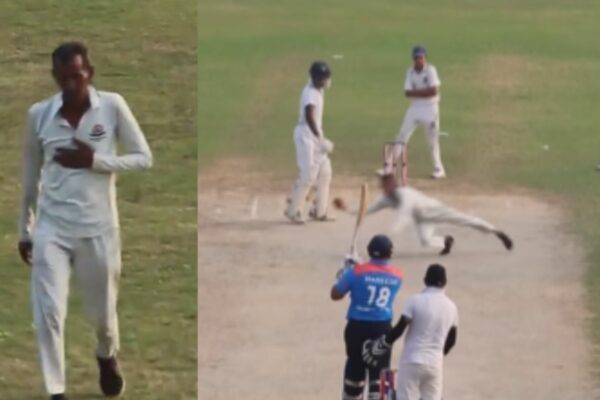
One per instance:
(138, 155)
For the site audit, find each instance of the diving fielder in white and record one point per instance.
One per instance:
(422, 87)
(425, 213)
(312, 149)
(69, 220)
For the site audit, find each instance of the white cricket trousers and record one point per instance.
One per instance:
(426, 218)
(96, 264)
(419, 382)
(314, 169)
(429, 118)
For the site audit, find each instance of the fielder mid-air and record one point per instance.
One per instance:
(422, 87)
(312, 149)
(426, 212)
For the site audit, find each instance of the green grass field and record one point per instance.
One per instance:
(146, 50)
(517, 76)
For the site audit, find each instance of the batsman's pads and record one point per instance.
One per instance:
(374, 350)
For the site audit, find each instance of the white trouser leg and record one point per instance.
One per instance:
(97, 265)
(49, 292)
(447, 215)
(431, 383)
(427, 235)
(432, 129)
(308, 170)
(408, 382)
(323, 183)
(409, 124)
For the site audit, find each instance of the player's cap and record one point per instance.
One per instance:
(419, 51)
(435, 276)
(380, 247)
(319, 71)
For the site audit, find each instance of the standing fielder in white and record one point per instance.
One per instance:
(425, 213)
(422, 87)
(69, 220)
(430, 319)
(312, 148)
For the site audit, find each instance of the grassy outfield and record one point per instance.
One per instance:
(146, 51)
(519, 93)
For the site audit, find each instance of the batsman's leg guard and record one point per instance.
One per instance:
(307, 175)
(323, 184)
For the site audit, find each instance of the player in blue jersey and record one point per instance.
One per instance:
(373, 287)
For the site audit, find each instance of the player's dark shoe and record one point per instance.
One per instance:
(506, 241)
(59, 396)
(448, 243)
(322, 218)
(112, 383)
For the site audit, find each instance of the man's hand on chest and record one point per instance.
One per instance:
(81, 156)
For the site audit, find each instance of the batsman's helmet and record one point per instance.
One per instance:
(319, 71)
(380, 247)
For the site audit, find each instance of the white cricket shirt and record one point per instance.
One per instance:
(406, 203)
(312, 95)
(427, 78)
(78, 202)
(432, 315)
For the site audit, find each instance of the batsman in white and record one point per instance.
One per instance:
(69, 220)
(432, 322)
(426, 212)
(312, 149)
(422, 87)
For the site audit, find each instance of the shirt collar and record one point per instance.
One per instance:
(433, 289)
(57, 100)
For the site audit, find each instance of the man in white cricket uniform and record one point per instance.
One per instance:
(425, 213)
(312, 149)
(69, 220)
(422, 87)
(432, 322)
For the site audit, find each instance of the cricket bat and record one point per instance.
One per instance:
(362, 210)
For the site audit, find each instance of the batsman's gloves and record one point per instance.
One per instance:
(326, 146)
(350, 261)
(374, 350)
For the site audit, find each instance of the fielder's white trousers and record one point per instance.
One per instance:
(96, 264)
(419, 382)
(314, 170)
(428, 117)
(426, 218)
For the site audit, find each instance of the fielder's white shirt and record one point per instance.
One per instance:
(432, 315)
(427, 78)
(315, 97)
(78, 202)
(406, 203)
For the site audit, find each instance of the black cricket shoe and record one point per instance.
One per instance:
(59, 396)
(506, 241)
(111, 379)
(448, 243)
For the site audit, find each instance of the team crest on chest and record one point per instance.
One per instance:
(98, 133)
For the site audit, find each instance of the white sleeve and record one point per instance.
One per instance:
(380, 204)
(138, 155)
(433, 77)
(407, 82)
(32, 166)
(312, 98)
(455, 320)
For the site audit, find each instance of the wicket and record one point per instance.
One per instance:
(390, 159)
(387, 385)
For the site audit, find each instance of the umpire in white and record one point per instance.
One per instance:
(69, 219)
(432, 321)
